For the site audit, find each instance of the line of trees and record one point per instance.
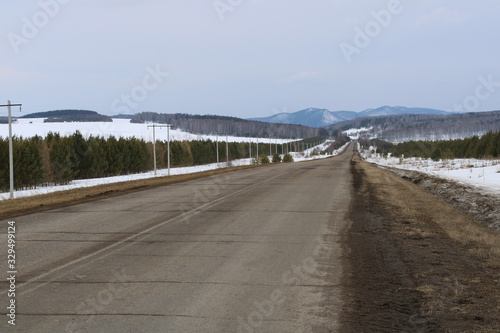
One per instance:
(59, 160)
(486, 146)
(210, 124)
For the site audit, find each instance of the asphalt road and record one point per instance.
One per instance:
(257, 250)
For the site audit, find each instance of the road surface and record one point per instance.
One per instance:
(257, 250)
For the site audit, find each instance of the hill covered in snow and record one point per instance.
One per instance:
(30, 127)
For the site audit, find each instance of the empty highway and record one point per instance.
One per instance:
(257, 250)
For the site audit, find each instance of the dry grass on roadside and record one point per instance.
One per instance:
(22, 206)
(453, 259)
(409, 203)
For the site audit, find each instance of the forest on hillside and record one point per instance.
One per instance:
(59, 160)
(415, 127)
(486, 146)
(59, 116)
(210, 124)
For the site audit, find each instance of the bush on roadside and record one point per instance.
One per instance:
(287, 158)
(263, 159)
(276, 158)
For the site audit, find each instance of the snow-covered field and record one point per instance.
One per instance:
(118, 128)
(483, 174)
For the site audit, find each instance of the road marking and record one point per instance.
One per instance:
(128, 242)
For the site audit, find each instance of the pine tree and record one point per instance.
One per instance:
(436, 154)
(64, 160)
(4, 164)
(114, 157)
(94, 162)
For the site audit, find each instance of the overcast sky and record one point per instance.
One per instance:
(249, 58)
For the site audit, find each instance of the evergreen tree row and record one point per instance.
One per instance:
(59, 160)
(487, 146)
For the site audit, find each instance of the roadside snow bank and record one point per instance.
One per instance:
(483, 174)
(469, 184)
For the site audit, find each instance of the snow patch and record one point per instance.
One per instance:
(354, 133)
(482, 174)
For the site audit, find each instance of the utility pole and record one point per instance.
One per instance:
(250, 151)
(154, 126)
(217, 147)
(11, 148)
(168, 149)
(227, 149)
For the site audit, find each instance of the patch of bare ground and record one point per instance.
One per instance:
(415, 263)
(22, 206)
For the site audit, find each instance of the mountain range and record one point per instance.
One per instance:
(394, 124)
(314, 117)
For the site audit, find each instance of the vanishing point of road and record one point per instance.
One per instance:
(257, 250)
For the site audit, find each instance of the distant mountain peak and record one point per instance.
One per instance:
(316, 117)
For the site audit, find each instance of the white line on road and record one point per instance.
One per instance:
(127, 240)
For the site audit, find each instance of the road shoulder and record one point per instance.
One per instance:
(405, 272)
